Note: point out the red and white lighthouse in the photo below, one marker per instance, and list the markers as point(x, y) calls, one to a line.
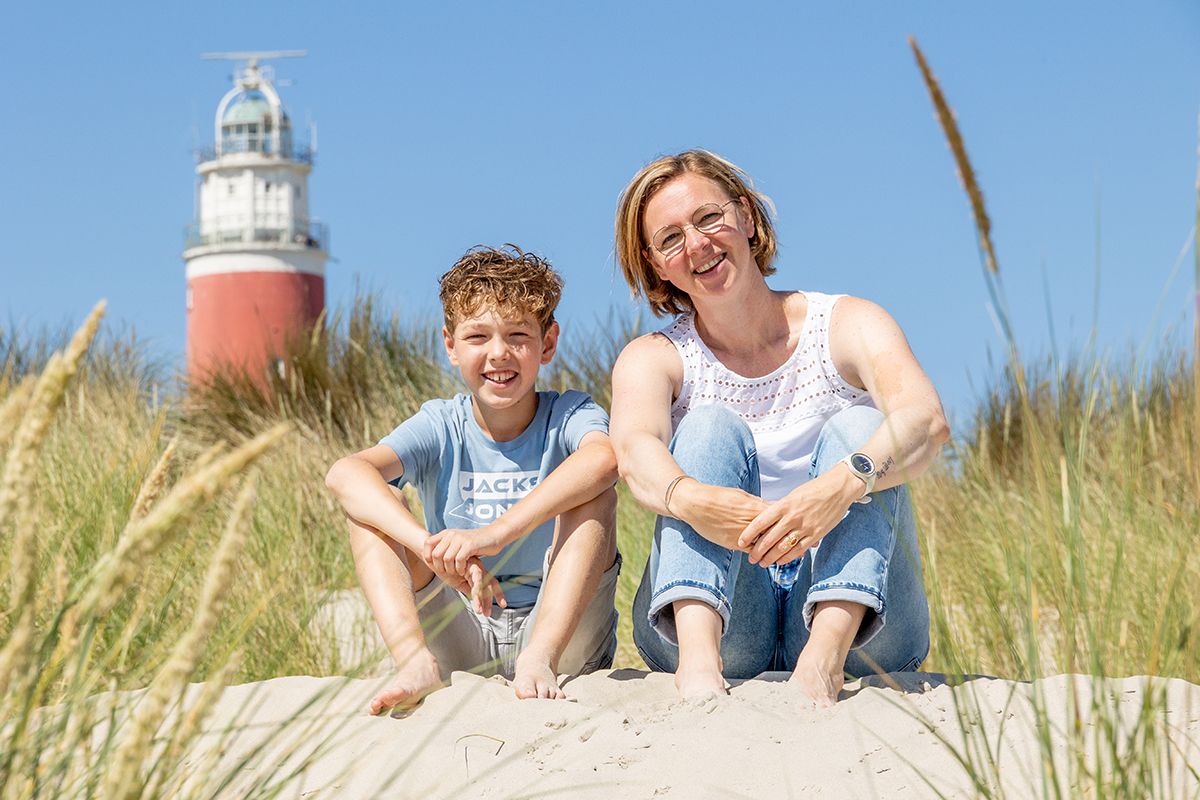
point(255, 257)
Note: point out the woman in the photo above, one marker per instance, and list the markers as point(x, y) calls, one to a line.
point(772, 432)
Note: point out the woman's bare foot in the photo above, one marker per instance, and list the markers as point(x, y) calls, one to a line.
point(819, 669)
point(534, 677)
point(416, 678)
point(819, 679)
point(700, 681)
point(699, 627)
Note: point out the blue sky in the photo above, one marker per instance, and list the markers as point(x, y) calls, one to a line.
point(446, 125)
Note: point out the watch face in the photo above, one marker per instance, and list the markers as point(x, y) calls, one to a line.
point(862, 464)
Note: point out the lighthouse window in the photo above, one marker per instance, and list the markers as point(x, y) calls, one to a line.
point(297, 192)
point(232, 188)
point(252, 127)
point(238, 128)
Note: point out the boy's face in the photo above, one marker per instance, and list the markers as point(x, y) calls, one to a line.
point(499, 357)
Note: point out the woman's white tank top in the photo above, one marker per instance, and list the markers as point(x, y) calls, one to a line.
point(785, 409)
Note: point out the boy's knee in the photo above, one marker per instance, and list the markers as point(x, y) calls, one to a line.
point(600, 512)
point(398, 493)
point(604, 506)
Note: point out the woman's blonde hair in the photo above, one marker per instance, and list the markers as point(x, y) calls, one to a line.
point(633, 252)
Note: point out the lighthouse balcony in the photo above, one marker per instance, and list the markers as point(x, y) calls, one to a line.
point(254, 147)
point(300, 234)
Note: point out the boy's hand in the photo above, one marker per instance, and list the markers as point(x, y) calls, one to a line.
point(452, 549)
point(485, 589)
point(443, 553)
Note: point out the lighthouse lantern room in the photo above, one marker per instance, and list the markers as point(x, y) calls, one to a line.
point(255, 257)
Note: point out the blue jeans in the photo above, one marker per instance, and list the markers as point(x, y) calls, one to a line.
point(870, 558)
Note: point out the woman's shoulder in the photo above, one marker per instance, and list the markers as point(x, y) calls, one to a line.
point(648, 355)
point(654, 345)
point(848, 309)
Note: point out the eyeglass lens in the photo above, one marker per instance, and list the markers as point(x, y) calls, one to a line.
point(708, 219)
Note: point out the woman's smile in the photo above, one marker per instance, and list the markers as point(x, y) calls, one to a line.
point(709, 265)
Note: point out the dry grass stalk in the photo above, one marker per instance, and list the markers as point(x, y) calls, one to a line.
point(208, 456)
point(47, 398)
point(153, 485)
point(113, 573)
point(16, 485)
point(967, 175)
point(14, 657)
point(13, 407)
point(188, 728)
point(1196, 322)
point(124, 778)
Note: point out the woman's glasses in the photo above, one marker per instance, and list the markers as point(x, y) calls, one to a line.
point(708, 219)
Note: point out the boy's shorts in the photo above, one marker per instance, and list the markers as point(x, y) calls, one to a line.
point(462, 640)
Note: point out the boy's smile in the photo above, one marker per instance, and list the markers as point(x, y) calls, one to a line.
point(499, 358)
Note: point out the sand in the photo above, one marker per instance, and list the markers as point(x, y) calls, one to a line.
point(624, 734)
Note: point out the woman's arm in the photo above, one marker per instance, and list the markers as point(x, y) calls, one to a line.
point(870, 351)
point(646, 378)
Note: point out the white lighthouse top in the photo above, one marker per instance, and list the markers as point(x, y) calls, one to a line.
point(252, 203)
point(250, 117)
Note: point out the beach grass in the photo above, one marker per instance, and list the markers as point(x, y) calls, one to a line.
point(156, 536)
point(1056, 532)
point(1060, 539)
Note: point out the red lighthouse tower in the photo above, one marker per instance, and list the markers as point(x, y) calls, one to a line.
point(255, 257)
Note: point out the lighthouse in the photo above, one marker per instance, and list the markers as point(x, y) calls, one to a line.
point(255, 255)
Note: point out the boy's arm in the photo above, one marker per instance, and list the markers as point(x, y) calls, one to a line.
point(581, 477)
point(360, 484)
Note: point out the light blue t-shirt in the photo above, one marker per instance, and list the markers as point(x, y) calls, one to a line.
point(466, 480)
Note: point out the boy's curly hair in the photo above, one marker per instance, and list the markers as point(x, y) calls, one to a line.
point(506, 279)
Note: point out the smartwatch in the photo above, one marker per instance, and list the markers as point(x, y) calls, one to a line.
point(864, 469)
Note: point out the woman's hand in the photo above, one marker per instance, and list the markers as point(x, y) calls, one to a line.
point(718, 513)
point(788, 528)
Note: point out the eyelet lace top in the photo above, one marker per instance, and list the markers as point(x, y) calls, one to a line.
point(785, 408)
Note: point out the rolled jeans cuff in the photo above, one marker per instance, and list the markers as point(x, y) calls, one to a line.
point(664, 624)
point(855, 593)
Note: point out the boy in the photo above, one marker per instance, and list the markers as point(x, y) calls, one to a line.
point(517, 486)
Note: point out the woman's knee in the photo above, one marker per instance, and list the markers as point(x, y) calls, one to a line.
point(843, 433)
point(711, 433)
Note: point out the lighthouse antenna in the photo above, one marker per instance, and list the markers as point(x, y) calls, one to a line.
point(253, 55)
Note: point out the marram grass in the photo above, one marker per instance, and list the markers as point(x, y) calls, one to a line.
point(1058, 535)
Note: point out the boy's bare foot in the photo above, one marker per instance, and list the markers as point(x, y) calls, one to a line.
point(819, 678)
point(416, 678)
point(534, 677)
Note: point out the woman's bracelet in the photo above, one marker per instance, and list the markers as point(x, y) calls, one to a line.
point(671, 490)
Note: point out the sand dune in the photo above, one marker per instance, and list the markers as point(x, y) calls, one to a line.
point(624, 734)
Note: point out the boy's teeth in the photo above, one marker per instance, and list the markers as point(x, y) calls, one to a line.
point(499, 377)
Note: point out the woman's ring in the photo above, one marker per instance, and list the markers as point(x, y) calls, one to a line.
point(791, 540)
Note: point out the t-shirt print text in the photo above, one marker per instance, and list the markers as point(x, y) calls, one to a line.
point(487, 495)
